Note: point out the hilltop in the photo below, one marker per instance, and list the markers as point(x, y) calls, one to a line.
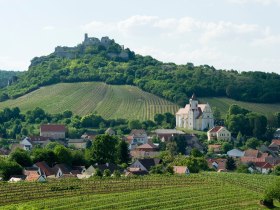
point(110, 101)
point(106, 61)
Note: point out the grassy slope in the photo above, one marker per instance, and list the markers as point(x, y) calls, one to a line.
point(82, 98)
point(197, 191)
point(224, 103)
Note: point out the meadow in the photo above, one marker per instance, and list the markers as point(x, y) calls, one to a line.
point(196, 191)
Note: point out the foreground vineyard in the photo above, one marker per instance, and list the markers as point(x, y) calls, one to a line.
point(198, 191)
point(110, 101)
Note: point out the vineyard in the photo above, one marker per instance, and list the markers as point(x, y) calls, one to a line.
point(110, 101)
point(196, 191)
point(224, 103)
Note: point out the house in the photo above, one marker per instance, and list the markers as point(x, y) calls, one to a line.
point(110, 132)
point(276, 135)
point(136, 138)
point(17, 178)
point(136, 172)
point(148, 150)
point(89, 135)
point(219, 164)
point(86, 173)
point(110, 166)
point(44, 169)
point(218, 133)
point(39, 140)
point(27, 145)
point(145, 164)
point(53, 131)
point(77, 143)
point(167, 134)
point(34, 176)
point(235, 153)
point(263, 167)
point(275, 145)
point(61, 170)
point(216, 148)
point(253, 156)
point(181, 170)
point(195, 116)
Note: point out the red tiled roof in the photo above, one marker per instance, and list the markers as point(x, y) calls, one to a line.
point(214, 146)
point(215, 129)
point(276, 142)
point(251, 153)
point(147, 146)
point(137, 132)
point(32, 176)
point(251, 159)
point(180, 169)
point(53, 128)
point(263, 165)
point(45, 168)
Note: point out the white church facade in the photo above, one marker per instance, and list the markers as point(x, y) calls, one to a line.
point(195, 116)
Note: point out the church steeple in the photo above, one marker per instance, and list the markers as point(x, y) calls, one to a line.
point(193, 97)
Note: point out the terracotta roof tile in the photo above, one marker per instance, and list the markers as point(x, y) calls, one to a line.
point(53, 128)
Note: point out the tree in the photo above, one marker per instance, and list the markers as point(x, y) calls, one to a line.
point(21, 156)
point(134, 124)
point(271, 193)
point(123, 155)
point(196, 153)
point(106, 173)
point(159, 118)
point(230, 164)
point(43, 154)
point(97, 173)
point(63, 155)
point(103, 149)
point(8, 168)
point(226, 147)
point(276, 170)
point(252, 143)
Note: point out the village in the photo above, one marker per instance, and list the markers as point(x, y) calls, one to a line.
point(145, 150)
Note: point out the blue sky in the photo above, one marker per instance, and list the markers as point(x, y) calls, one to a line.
point(231, 34)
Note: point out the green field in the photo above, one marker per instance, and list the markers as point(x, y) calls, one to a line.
point(196, 191)
point(224, 103)
point(110, 101)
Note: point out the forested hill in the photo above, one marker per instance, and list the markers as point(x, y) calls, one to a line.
point(104, 60)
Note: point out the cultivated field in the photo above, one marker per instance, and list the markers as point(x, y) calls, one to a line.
point(197, 191)
point(224, 103)
point(110, 101)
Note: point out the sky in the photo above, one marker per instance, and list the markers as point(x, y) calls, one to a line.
point(243, 35)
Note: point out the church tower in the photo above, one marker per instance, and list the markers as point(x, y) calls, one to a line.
point(192, 112)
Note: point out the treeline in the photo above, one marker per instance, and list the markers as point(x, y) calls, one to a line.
point(168, 80)
point(15, 125)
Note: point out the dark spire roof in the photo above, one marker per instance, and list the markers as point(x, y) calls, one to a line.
point(193, 97)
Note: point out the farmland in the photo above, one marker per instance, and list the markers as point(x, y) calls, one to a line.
point(110, 101)
point(224, 103)
point(197, 191)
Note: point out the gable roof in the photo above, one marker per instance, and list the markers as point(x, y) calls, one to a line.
point(235, 153)
point(275, 142)
point(32, 176)
point(215, 129)
point(168, 131)
point(180, 169)
point(147, 146)
point(263, 165)
point(137, 132)
point(63, 167)
point(52, 128)
point(44, 167)
point(251, 153)
point(149, 162)
point(111, 166)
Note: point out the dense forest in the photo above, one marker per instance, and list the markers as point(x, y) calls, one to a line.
point(115, 65)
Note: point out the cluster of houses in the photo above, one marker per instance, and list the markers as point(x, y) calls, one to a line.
point(261, 160)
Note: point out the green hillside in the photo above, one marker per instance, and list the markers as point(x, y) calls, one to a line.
point(110, 101)
point(197, 191)
point(224, 103)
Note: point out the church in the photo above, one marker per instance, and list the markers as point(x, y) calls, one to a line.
point(195, 116)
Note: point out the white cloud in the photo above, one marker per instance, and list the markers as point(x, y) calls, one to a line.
point(267, 41)
point(263, 2)
point(9, 63)
point(48, 28)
